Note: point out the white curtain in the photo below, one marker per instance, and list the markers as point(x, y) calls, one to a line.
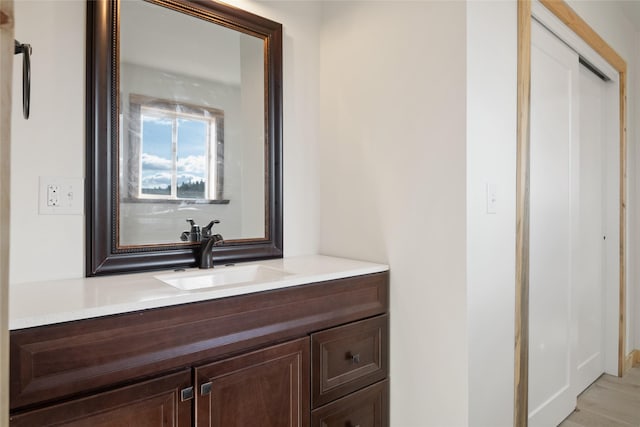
point(6, 67)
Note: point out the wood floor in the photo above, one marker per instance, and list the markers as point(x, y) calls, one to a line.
point(609, 402)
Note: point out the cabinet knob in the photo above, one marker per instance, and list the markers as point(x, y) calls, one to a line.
point(186, 394)
point(355, 358)
point(205, 389)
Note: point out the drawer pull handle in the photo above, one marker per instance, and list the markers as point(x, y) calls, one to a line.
point(186, 394)
point(205, 389)
point(350, 424)
point(355, 359)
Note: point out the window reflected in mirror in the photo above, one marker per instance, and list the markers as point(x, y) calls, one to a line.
point(175, 151)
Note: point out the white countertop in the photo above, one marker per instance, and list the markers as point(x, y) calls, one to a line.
point(49, 302)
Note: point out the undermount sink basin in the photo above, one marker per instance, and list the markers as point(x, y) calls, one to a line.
point(222, 277)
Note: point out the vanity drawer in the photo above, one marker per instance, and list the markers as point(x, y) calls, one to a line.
point(347, 358)
point(364, 408)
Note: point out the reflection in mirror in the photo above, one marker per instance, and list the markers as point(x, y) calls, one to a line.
point(192, 127)
point(184, 120)
point(173, 152)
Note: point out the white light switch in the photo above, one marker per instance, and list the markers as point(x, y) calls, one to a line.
point(492, 198)
point(61, 196)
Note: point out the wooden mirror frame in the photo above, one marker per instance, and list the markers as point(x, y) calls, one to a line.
point(102, 253)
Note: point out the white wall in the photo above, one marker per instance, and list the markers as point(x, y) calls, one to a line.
point(392, 161)
point(52, 141)
point(491, 156)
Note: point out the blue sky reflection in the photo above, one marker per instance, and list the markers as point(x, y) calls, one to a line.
point(157, 152)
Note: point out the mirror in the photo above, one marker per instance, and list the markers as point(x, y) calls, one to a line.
point(184, 122)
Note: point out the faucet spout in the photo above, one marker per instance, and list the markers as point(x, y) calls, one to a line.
point(206, 239)
point(206, 250)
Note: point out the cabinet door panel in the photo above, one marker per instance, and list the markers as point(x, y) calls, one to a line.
point(267, 388)
point(154, 403)
point(364, 408)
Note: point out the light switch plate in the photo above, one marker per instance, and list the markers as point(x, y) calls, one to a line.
point(61, 196)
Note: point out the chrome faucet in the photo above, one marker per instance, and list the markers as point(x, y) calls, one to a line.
point(206, 239)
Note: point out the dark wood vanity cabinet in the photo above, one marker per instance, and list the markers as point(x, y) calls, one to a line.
point(314, 354)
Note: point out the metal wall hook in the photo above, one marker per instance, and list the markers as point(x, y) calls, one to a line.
point(26, 75)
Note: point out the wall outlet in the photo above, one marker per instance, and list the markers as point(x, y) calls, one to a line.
point(61, 196)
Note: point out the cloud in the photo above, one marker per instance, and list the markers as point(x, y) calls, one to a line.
point(151, 162)
point(156, 180)
point(157, 171)
point(192, 164)
point(164, 121)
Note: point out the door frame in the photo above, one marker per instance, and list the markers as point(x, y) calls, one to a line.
point(575, 23)
point(6, 71)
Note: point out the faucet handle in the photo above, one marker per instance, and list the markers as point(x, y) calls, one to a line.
point(206, 231)
point(217, 239)
point(193, 235)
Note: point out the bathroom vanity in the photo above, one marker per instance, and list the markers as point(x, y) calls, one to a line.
point(309, 347)
point(281, 342)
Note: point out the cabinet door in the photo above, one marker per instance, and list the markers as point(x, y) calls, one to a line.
point(266, 388)
point(364, 408)
point(153, 403)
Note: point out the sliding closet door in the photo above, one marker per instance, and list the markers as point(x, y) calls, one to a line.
point(554, 198)
point(589, 286)
point(571, 174)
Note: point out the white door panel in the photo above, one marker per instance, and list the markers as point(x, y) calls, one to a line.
point(554, 104)
point(569, 184)
point(589, 285)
